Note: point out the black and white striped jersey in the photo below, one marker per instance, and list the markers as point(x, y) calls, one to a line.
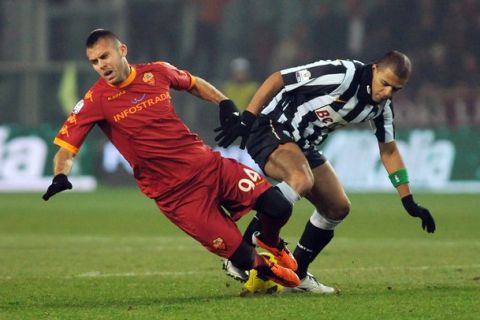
point(319, 97)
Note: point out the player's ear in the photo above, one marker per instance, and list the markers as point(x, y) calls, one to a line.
point(123, 50)
point(375, 70)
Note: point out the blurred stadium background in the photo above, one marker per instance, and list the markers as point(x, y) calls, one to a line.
point(235, 44)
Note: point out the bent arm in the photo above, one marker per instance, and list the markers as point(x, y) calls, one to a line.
point(206, 91)
point(269, 88)
point(62, 162)
point(392, 161)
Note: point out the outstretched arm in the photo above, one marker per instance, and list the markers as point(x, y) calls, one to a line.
point(62, 165)
point(206, 91)
point(269, 89)
point(234, 125)
point(393, 163)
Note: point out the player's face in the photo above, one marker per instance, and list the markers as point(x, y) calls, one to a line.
point(108, 59)
point(385, 83)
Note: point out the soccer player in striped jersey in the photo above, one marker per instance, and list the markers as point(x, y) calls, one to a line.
point(190, 183)
point(290, 116)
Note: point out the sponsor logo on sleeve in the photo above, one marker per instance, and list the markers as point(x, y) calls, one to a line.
point(303, 75)
point(78, 107)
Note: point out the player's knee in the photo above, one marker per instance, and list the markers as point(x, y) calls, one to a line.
point(301, 181)
point(244, 257)
point(274, 204)
point(338, 212)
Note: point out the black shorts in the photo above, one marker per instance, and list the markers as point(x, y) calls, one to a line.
point(267, 135)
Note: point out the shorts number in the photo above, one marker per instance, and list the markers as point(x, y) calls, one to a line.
point(249, 184)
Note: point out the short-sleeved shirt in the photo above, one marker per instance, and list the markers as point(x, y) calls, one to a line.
point(322, 96)
point(138, 117)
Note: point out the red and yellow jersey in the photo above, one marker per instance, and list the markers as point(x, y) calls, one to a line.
point(138, 117)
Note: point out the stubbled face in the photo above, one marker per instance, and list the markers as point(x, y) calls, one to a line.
point(385, 83)
point(108, 59)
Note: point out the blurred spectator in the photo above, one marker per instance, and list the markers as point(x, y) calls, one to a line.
point(157, 30)
point(379, 34)
point(293, 49)
point(328, 32)
point(263, 45)
point(205, 54)
point(356, 27)
point(239, 87)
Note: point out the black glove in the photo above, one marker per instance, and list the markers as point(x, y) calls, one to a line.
point(229, 113)
point(415, 210)
point(233, 125)
point(59, 183)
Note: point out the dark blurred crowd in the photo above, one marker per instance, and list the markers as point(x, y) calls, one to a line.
point(440, 36)
point(237, 43)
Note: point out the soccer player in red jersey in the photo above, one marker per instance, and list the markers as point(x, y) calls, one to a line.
point(190, 183)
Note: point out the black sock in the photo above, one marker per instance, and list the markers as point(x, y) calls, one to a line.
point(251, 228)
point(270, 229)
point(312, 241)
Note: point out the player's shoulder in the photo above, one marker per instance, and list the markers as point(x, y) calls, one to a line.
point(159, 69)
point(91, 97)
point(351, 63)
point(155, 65)
point(97, 90)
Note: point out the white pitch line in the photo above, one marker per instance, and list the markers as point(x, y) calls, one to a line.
point(421, 268)
point(98, 274)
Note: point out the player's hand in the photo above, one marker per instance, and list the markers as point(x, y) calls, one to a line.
point(240, 128)
point(229, 113)
point(415, 210)
point(233, 125)
point(59, 183)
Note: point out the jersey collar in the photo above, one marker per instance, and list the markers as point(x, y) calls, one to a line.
point(365, 90)
point(126, 82)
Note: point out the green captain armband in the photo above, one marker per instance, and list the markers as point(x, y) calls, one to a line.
point(399, 177)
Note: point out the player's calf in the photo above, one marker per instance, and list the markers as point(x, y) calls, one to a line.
point(274, 210)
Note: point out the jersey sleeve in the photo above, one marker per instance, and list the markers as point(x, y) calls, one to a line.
point(78, 124)
point(179, 79)
point(320, 77)
point(383, 124)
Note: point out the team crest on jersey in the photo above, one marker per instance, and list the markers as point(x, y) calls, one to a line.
point(78, 107)
point(149, 78)
point(219, 244)
point(303, 75)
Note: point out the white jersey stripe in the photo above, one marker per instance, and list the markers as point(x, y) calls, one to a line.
point(322, 96)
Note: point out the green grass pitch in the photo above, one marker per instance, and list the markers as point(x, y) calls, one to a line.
point(112, 255)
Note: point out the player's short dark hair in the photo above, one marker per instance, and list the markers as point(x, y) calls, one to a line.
point(398, 62)
point(98, 34)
